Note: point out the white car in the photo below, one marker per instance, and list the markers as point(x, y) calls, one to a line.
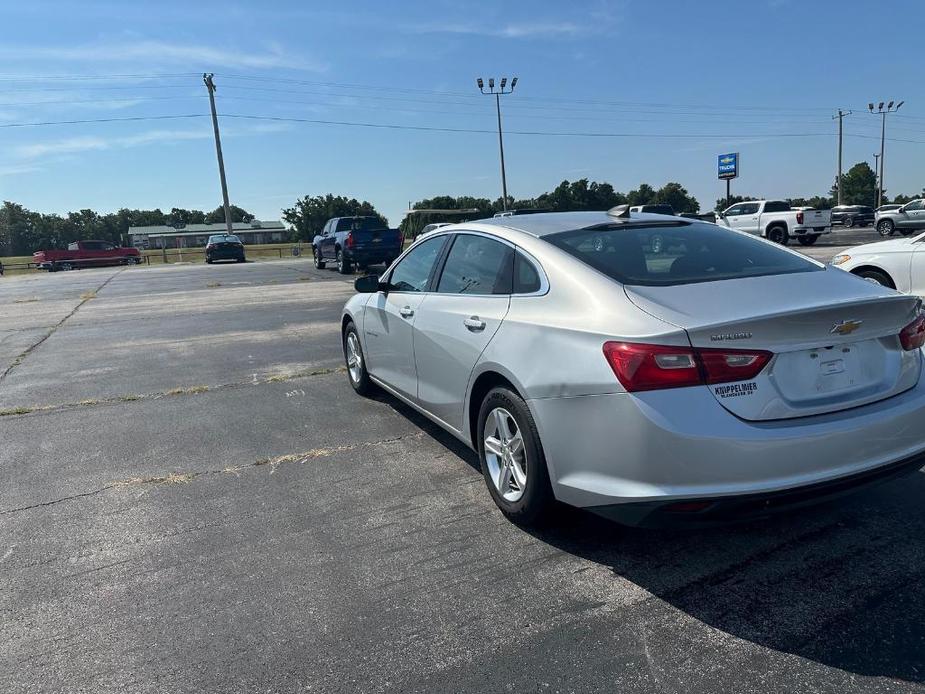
point(897, 263)
point(776, 221)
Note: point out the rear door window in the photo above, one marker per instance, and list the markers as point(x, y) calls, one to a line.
point(677, 254)
point(477, 265)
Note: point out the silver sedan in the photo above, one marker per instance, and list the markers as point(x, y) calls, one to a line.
point(648, 368)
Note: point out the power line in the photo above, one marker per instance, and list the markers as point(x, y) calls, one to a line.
point(124, 119)
point(426, 128)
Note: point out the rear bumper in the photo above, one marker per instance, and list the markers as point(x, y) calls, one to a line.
point(660, 447)
point(372, 256)
point(707, 511)
point(802, 231)
point(225, 255)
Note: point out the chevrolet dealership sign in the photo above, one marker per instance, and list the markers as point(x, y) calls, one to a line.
point(728, 165)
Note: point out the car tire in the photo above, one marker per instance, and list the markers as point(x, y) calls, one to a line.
point(808, 239)
point(242, 259)
point(520, 469)
point(316, 254)
point(778, 234)
point(66, 267)
point(885, 227)
point(356, 361)
point(849, 222)
point(343, 263)
point(877, 276)
point(208, 261)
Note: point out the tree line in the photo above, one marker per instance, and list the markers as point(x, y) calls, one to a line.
point(23, 231)
point(308, 215)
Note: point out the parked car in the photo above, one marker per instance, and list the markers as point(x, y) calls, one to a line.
point(81, 254)
point(905, 219)
point(853, 216)
point(224, 247)
point(659, 208)
point(897, 263)
point(356, 241)
point(776, 221)
point(724, 377)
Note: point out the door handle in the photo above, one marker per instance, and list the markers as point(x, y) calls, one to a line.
point(474, 324)
point(406, 312)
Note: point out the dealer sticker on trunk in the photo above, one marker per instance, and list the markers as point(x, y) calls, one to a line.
point(734, 390)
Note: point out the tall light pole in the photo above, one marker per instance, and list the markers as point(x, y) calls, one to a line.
point(838, 186)
point(210, 85)
point(877, 173)
point(890, 108)
point(501, 91)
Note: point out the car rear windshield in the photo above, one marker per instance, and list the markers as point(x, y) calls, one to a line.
point(359, 224)
point(225, 238)
point(671, 254)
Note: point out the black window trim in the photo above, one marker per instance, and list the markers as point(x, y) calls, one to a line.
point(538, 268)
point(438, 263)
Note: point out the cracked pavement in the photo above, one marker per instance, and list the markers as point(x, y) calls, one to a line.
point(194, 500)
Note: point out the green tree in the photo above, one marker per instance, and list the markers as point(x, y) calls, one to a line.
point(309, 214)
point(217, 216)
point(643, 195)
point(859, 186)
point(817, 202)
point(676, 195)
point(412, 224)
point(903, 199)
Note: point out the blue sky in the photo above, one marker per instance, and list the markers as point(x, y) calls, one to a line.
point(678, 81)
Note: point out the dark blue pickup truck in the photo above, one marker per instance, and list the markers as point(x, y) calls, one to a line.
point(356, 241)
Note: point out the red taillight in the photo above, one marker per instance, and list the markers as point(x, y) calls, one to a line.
point(349, 242)
point(799, 217)
point(913, 335)
point(729, 365)
point(653, 367)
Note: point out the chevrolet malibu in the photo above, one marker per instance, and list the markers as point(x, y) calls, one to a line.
point(721, 377)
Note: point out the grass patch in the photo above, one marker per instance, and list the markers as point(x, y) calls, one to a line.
point(192, 390)
point(170, 478)
point(213, 285)
point(129, 398)
point(86, 296)
point(25, 301)
point(89, 401)
point(16, 410)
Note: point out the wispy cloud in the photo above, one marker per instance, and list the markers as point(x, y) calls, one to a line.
point(154, 52)
point(17, 170)
point(77, 145)
point(510, 31)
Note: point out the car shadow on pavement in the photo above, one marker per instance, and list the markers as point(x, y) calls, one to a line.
point(839, 584)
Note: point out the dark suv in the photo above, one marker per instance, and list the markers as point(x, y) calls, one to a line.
point(853, 216)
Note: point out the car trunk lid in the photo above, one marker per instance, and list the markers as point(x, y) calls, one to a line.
point(835, 338)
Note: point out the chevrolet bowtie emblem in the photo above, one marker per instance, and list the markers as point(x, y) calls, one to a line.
point(845, 327)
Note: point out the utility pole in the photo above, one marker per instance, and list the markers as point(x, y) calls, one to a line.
point(498, 94)
point(210, 85)
point(890, 108)
point(838, 186)
point(877, 174)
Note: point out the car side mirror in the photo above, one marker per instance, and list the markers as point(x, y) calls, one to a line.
point(368, 284)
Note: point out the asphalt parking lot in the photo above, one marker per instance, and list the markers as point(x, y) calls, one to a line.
point(196, 501)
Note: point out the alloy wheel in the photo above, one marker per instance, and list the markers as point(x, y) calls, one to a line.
point(354, 357)
point(505, 454)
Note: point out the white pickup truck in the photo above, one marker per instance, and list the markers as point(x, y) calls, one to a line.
point(776, 221)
